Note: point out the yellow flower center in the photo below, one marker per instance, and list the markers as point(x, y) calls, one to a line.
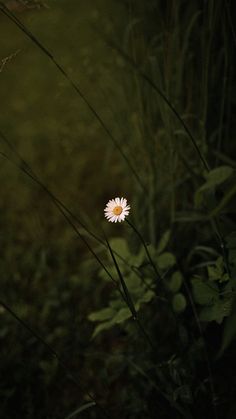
point(117, 210)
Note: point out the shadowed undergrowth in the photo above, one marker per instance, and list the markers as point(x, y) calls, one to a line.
point(139, 320)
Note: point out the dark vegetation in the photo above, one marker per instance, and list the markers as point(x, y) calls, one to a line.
point(98, 100)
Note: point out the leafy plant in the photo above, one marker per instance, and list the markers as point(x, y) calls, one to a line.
point(213, 293)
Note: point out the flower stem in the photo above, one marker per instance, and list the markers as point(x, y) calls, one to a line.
point(146, 249)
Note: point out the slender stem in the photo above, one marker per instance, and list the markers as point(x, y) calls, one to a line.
point(146, 249)
point(62, 208)
point(27, 169)
point(128, 299)
point(187, 130)
point(62, 211)
point(144, 333)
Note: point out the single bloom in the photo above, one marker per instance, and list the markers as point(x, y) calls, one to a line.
point(116, 210)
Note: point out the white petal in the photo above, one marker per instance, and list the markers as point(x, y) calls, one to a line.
point(112, 203)
point(111, 206)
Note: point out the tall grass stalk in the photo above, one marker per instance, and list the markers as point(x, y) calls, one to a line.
point(154, 86)
point(74, 85)
point(169, 106)
point(22, 27)
point(64, 215)
point(124, 294)
point(27, 170)
point(129, 301)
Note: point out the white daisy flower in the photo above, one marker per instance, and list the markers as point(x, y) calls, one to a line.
point(116, 210)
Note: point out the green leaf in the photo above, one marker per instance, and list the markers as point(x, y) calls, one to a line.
point(217, 176)
point(166, 260)
point(179, 303)
point(101, 327)
point(216, 272)
point(117, 304)
point(163, 242)
point(216, 312)
point(122, 315)
point(134, 283)
point(148, 296)
point(101, 315)
point(204, 293)
point(214, 178)
point(174, 284)
point(81, 409)
point(138, 258)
